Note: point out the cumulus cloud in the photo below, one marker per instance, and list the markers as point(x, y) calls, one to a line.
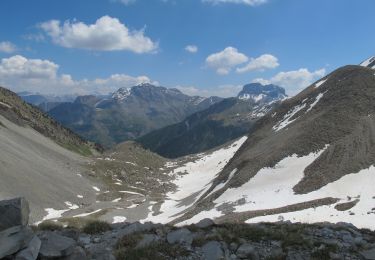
point(19, 66)
point(7, 47)
point(106, 34)
point(21, 74)
point(263, 62)
point(191, 48)
point(246, 2)
point(220, 91)
point(224, 61)
point(294, 81)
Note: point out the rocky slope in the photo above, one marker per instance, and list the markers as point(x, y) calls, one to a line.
point(204, 240)
point(128, 113)
point(310, 160)
point(41, 160)
point(216, 125)
point(14, 109)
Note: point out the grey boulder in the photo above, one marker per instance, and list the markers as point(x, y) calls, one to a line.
point(14, 212)
point(247, 251)
point(180, 236)
point(213, 251)
point(14, 239)
point(205, 223)
point(54, 245)
point(31, 251)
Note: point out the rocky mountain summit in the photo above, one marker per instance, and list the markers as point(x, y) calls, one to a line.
point(259, 93)
point(204, 240)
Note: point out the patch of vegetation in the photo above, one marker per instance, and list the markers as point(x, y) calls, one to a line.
point(323, 253)
point(80, 149)
point(155, 251)
point(96, 227)
point(129, 241)
point(49, 226)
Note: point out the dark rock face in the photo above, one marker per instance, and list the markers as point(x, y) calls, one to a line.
point(14, 212)
point(262, 93)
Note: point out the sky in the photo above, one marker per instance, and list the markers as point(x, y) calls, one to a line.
point(202, 47)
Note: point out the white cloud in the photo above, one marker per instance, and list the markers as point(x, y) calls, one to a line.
point(106, 34)
point(246, 2)
point(21, 74)
point(220, 91)
point(19, 66)
point(294, 81)
point(224, 61)
point(7, 47)
point(191, 48)
point(263, 62)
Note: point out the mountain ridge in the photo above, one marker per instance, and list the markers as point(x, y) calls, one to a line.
point(216, 125)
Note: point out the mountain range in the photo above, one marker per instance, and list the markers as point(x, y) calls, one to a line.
point(308, 159)
point(128, 113)
point(222, 122)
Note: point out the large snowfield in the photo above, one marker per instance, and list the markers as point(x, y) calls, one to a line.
point(272, 188)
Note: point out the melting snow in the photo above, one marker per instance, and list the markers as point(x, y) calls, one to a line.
point(131, 163)
point(315, 102)
point(272, 188)
point(288, 117)
point(192, 180)
point(361, 215)
point(95, 188)
point(80, 196)
point(318, 84)
point(57, 213)
point(118, 219)
point(86, 214)
point(131, 192)
point(256, 98)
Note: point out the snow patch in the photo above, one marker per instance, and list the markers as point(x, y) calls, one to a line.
point(86, 214)
point(118, 219)
point(288, 117)
point(192, 180)
point(95, 188)
point(318, 84)
point(131, 192)
point(315, 102)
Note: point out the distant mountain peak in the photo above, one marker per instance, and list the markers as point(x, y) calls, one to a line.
point(261, 93)
point(122, 93)
point(369, 63)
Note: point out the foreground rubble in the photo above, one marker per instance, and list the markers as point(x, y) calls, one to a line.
point(204, 240)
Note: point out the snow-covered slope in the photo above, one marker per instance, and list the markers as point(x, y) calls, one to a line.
point(192, 181)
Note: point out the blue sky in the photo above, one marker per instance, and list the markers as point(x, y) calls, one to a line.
point(77, 46)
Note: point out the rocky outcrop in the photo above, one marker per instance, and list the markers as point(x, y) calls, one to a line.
point(205, 240)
